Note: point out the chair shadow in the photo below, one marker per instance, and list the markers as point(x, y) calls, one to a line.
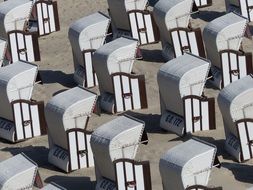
point(152, 56)
point(49, 77)
point(69, 182)
point(208, 15)
point(152, 2)
point(241, 172)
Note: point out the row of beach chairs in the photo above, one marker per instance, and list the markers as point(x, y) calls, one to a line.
point(107, 61)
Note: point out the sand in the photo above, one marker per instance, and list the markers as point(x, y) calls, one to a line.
point(56, 68)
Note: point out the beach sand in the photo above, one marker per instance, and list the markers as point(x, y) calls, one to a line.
point(56, 69)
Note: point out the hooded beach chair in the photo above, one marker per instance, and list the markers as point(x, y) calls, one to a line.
point(120, 88)
point(86, 35)
point(223, 37)
point(19, 172)
point(172, 18)
point(44, 17)
point(188, 165)
point(14, 16)
point(203, 3)
point(114, 145)
point(132, 18)
point(235, 102)
point(20, 116)
point(242, 7)
point(67, 116)
point(184, 107)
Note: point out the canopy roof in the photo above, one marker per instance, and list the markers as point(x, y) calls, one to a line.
point(116, 139)
point(13, 15)
point(16, 82)
point(225, 32)
point(236, 102)
point(113, 57)
point(171, 14)
point(187, 164)
point(67, 110)
point(17, 172)
point(182, 76)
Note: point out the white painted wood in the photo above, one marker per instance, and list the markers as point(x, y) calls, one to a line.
point(118, 93)
point(90, 153)
point(139, 177)
point(134, 28)
point(244, 141)
point(233, 62)
point(40, 19)
point(193, 43)
point(120, 175)
point(196, 111)
point(73, 151)
point(81, 147)
point(242, 66)
point(184, 40)
point(136, 94)
point(35, 120)
point(45, 14)
point(52, 19)
point(188, 116)
point(143, 39)
point(18, 122)
point(176, 43)
point(129, 174)
point(126, 89)
point(26, 117)
point(29, 47)
point(89, 69)
point(205, 115)
point(149, 26)
point(225, 69)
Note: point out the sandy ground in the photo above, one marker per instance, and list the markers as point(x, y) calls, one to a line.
point(57, 73)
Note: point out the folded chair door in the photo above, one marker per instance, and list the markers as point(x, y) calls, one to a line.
point(246, 7)
point(80, 153)
point(129, 91)
point(24, 46)
point(203, 3)
point(143, 26)
point(132, 175)
point(234, 65)
point(199, 113)
point(47, 15)
point(187, 40)
point(29, 119)
point(245, 133)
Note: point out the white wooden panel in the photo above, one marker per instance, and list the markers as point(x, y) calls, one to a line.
point(149, 26)
point(143, 39)
point(81, 147)
point(225, 69)
point(244, 141)
point(26, 117)
point(193, 43)
point(73, 151)
point(176, 43)
point(139, 177)
point(14, 51)
point(136, 94)
point(90, 153)
point(126, 89)
point(129, 173)
point(35, 120)
point(29, 47)
point(196, 114)
point(233, 61)
point(51, 17)
point(21, 45)
point(120, 175)
point(40, 19)
point(45, 14)
point(118, 93)
point(89, 69)
point(133, 24)
point(18, 122)
point(188, 116)
point(242, 66)
point(205, 115)
point(183, 37)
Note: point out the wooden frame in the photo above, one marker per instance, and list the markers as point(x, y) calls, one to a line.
point(23, 46)
point(143, 26)
point(199, 113)
point(234, 65)
point(80, 153)
point(29, 119)
point(187, 40)
point(132, 178)
point(46, 13)
point(245, 134)
point(129, 91)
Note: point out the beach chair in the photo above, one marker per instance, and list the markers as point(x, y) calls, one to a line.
point(188, 166)
point(21, 117)
point(67, 116)
point(242, 7)
point(173, 20)
point(86, 35)
point(53, 186)
point(120, 88)
point(223, 37)
point(44, 18)
point(19, 172)
point(184, 107)
point(235, 103)
point(23, 45)
point(132, 18)
point(203, 3)
point(114, 145)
